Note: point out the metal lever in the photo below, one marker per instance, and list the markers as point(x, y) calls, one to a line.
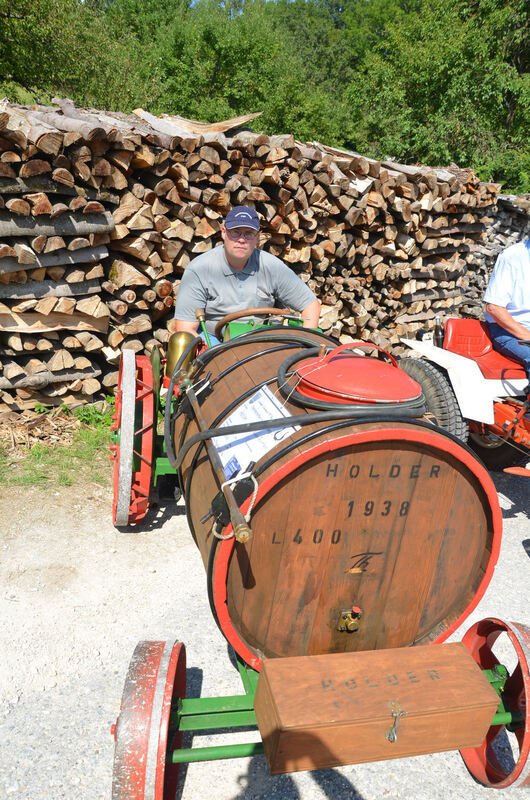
point(397, 713)
point(242, 531)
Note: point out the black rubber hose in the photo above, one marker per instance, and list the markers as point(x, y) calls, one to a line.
point(257, 336)
point(344, 424)
point(204, 358)
point(224, 412)
point(243, 397)
point(251, 357)
point(360, 413)
point(408, 408)
point(209, 581)
point(324, 336)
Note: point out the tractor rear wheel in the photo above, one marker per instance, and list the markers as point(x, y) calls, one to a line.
point(495, 452)
point(442, 405)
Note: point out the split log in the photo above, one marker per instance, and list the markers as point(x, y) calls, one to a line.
point(45, 288)
point(66, 224)
point(11, 321)
point(46, 377)
point(85, 256)
point(44, 184)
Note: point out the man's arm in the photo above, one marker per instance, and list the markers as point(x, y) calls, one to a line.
point(311, 314)
point(503, 318)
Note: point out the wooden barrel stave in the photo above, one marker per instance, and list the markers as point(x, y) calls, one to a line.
point(329, 535)
point(412, 591)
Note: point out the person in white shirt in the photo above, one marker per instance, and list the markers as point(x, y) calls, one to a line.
point(507, 299)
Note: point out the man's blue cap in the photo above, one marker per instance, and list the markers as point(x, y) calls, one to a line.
point(242, 217)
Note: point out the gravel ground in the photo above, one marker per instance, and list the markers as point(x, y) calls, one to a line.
point(77, 596)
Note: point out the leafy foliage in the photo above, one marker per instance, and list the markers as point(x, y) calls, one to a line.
point(420, 80)
point(444, 85)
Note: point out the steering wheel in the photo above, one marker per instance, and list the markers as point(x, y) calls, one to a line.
point(249, 312)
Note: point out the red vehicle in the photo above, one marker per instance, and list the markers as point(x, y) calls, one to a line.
point(475, 392)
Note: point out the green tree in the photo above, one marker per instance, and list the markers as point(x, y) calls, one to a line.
point(66, 47)
point(218, 61)
point(445, 84)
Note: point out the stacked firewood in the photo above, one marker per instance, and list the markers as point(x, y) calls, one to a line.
point(100, 213)
point(510, 224)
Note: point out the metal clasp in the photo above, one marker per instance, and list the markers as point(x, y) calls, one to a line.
point(397, 712)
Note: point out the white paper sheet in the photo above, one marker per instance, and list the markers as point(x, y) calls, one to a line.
point(237, 451)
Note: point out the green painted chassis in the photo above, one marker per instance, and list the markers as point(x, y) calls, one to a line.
point(236, 712)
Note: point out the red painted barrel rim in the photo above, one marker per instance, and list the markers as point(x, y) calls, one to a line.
point(436, 440)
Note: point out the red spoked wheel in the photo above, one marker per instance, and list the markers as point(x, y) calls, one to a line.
point(132, 451)
point(492, 764)
point(156, 679)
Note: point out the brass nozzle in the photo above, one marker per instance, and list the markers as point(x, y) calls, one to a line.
point(242, 533)
point(175, 348)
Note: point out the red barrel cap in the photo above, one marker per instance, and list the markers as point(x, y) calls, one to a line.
point(345, 376)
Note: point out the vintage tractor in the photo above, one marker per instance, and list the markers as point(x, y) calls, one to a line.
point(341, 532)
point(474, 392)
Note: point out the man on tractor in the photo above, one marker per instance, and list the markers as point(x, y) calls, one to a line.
point(507, 301)
point(237, 275)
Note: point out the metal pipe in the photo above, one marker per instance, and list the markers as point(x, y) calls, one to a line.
point(216, 752)
point(199, 313)
point(218, 721)
point(507, 718)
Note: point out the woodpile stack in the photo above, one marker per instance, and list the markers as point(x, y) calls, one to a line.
point(100, 213)
point(510, 224)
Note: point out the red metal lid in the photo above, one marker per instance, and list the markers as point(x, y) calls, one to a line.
point(343, 376)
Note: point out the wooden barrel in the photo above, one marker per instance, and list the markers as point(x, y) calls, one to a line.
point(371, 527)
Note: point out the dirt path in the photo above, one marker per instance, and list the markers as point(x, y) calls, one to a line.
point(76, 597)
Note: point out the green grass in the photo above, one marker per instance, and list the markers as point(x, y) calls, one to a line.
point(86, 458)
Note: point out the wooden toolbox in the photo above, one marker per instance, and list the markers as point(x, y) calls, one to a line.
point(346, 708)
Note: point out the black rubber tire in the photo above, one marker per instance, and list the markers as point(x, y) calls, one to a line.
point(442, 405)
point(496, 452)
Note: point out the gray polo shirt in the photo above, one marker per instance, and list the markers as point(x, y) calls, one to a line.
point(210, 283)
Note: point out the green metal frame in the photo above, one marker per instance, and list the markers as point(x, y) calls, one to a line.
point(232, 712)
point(234, 329)
point(498, 677)
point(209, 714)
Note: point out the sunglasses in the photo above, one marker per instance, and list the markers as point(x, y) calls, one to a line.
point(235, 234)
